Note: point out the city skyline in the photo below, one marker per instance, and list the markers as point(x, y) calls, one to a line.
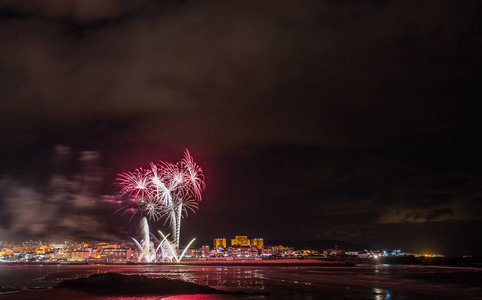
point(44, 251)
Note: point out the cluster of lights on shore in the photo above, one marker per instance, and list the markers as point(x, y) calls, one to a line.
point(165, 191)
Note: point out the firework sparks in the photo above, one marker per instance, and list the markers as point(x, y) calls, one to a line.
point(196, 177)
point(146, 247)
point(135, 183)
point(166, 190)
point(165, 250)
point(154, 209)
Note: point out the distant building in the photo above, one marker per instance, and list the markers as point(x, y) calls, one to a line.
point(257, 242)
point(266, 251)
point(193, 252)
point(219, 242)
point(334, 252)
point(123, 253)
point(240, 240)
point(79, 255)
point(205, 250)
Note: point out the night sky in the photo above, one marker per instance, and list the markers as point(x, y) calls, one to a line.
point(312, 120)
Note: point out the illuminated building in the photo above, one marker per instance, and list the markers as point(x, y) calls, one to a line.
point(7, 251)
point(205, 250)
point(78, 255)
point(220, 242)
point(257, 242)
point(40, 250)
point(193, 253)
point(123, 253)
point(267, 252)
point(243, 241)
point(109, 245)
point(240, 240)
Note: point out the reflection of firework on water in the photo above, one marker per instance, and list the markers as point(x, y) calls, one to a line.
point(166, 190)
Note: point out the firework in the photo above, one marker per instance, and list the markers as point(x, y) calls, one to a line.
point(136, 188)
point(146, 247)
point(165, 250)
point(168, 250)
point(196, 177)
point(154, 209)
point(165, 191)
point(135, 183)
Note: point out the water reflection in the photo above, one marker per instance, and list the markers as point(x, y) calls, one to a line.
point(361, 282)
point(381, 294)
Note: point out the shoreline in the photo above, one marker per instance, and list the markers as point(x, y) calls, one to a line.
point(198, 263)
point(331, 262)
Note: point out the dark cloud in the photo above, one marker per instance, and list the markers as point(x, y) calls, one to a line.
point(209, 69)
point(67, 205)
point(324, 119)
point(81, 11)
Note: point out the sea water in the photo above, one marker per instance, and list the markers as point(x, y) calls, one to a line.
point(281, 282)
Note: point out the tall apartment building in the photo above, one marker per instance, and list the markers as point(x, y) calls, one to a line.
point(240, 240)
point(219, 242)
point(257, 242)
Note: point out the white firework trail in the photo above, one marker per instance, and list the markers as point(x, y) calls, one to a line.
point(146, 248)
point(165, 251)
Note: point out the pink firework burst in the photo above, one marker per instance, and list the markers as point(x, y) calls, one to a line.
point(163, 187)
point(135, 183)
